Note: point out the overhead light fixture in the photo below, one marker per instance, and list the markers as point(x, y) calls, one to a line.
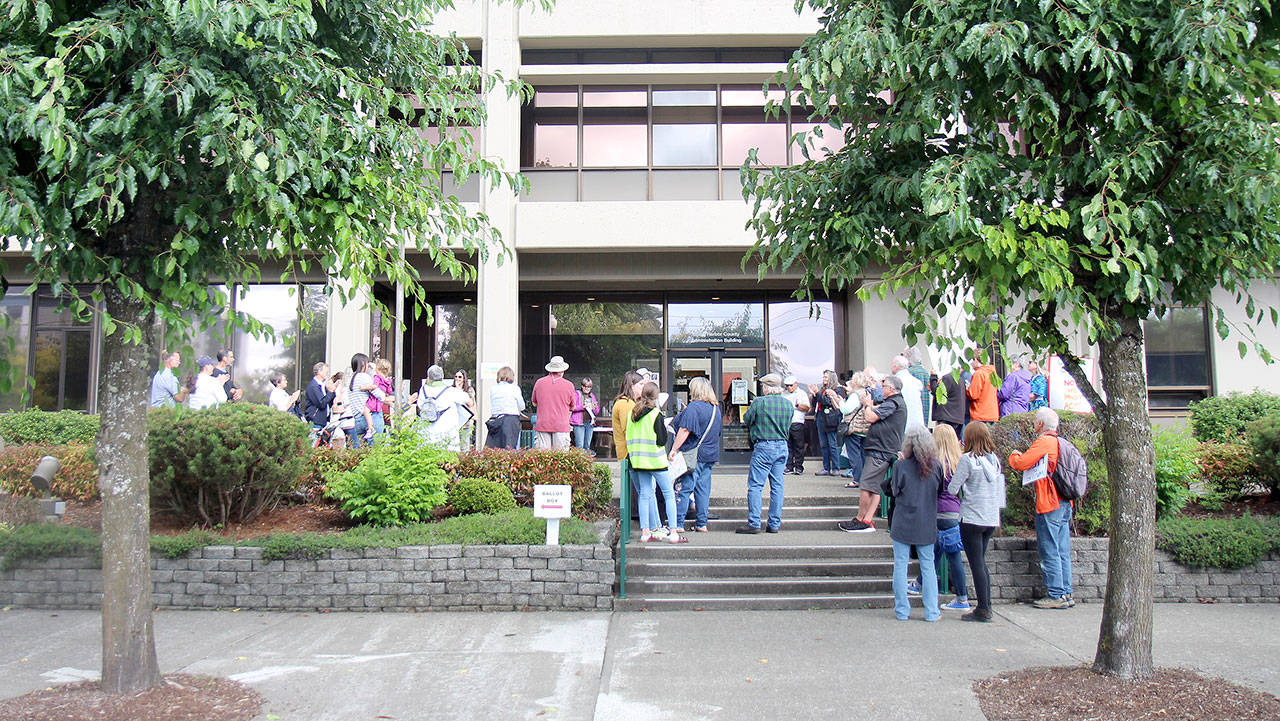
point(535, 306)
point(466, 300)
point(715, 297)
point(590, 298)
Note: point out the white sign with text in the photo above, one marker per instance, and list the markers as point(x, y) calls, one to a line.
point(552, 503)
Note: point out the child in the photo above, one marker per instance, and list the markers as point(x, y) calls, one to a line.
point(379, 411)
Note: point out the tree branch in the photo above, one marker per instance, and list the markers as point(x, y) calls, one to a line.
point(1047, 323)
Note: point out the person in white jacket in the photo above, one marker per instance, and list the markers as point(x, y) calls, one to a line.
point(210, 392)
point(451, 404)
point(979, 476)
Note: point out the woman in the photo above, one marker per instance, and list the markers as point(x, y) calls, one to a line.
point(506, 403)
point(280, 398)
point(851, 408)
point(583, 417)
point(826, 411)
point(646, 450)
point(979, 476)
point(622, 405)
point(948, 518)
point(698, 430)
point(362, 386)
point(1039, 387)
point(468, 433)
point(209, 392)
point(916, 478)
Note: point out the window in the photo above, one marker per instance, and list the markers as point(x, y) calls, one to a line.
point(599, 340)
point(292, 351)
point(802, 340)
point(716, 324)
point(61, 358)
point(16, 307)
point(455, 336)
point(1177, 351)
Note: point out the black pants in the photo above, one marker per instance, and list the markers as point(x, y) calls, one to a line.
point(975, 540)
point(797, 440)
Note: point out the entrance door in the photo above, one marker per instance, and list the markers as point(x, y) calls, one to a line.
point(734, 375)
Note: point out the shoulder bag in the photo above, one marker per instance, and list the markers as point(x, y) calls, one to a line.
point(688, 460)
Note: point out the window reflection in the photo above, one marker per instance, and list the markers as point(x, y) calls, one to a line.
point(455, 329)
point(602, 341)
point(613, 146)
point(16, 342)
point(1176, 348)
point(684, 144)
point(770, 140)
point(800, 343)
point(257, 358)
point(749, 96)
point(615, 98)
point(555, 146)
point(716, 324)
point(820, 139)
point(705, 96)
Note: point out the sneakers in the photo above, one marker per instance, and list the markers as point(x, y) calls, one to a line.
point(823, 473)
point(855, 526)
point(913, 588)
point(661, 533)
point(1053, 602)
point(958, 605)
point(979, 615)
point(676, 538)
point(748, 530)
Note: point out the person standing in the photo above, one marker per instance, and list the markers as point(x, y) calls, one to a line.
point(915, 366)
point(467, 435)
point(1015, 392)
point(916, 479)
point(852, 408)
point(1039, 386)
point(948, 518)
point(226, 358)
point(913, 391)
point(583, 418)
point(697, 429)
point(280, 398)
point(452, 410)
point(1053, 515)
point(209, 391)
point(954, 412)
point(646, 450)
point(356, 411)
point(982, 392)
point(769, 421)
point(621, 411)
point(319, 397)
point(888, 421)
point(796, 436)
point(826, 412)
point(981, 483)
point(166, 391)
point(506, 403)
point(553, 398)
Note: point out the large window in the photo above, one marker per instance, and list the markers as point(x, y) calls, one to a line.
point(455, 337)
point(802, 340)
point(16, 308)
point(599, 340)
point(724, 325)
point(1177, 349)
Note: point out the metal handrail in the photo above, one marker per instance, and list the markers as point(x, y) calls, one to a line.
point(624, 526)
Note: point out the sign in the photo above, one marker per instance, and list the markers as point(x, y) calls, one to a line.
point(489, 371)
point(1064, 392)
point(738, 392)
point(552, 503)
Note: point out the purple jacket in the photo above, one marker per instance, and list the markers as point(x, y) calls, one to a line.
point(948, 504)
point(1015, 393)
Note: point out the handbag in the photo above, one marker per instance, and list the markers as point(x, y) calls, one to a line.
point(950, 540)
point(494, 424)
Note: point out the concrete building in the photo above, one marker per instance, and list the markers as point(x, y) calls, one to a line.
point(626, 250)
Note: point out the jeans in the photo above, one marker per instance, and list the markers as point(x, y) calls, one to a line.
point(582, 436)
point(955, 564)
point(975, 548)
point(645, 481)
point(1053, 541)
point(928, 587)
point(379, 426)
point(830, 449)
point(698, 483)
point(355, 436)
point(853, 449)
point(768, 460)
point(798, 442)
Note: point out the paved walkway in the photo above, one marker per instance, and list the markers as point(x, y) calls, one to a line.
point(630, 666)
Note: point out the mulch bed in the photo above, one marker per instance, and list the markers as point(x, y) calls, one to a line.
point(183, 697)
point(1173, 694)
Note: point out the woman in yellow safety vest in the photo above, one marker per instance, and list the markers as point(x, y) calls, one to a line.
point(647, 452)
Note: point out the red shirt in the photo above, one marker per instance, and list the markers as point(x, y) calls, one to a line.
point(553, 397)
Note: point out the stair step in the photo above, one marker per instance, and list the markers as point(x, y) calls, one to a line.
point(790, 512)
point(690, 551)
point(755, 603)
point(756, 568)
point(759, 587)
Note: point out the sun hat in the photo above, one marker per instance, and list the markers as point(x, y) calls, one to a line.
point(557, 365)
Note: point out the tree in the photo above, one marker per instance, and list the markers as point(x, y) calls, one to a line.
point(1084, 165)
point(151, 148)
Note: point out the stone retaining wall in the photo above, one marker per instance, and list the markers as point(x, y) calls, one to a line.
point(1015, 575)
point(454, 578)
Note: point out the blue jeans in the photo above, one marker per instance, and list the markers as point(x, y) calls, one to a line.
point(379, 426)
point(928, 589)
point(955, 564)
point(698, 483)
point(853, 449)
point(1053, 541)
point(582, 436)
point(355, 436)
point(645, 482)
point(767, 462)
point(830, 449)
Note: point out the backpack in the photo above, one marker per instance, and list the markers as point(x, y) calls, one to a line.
point(429, 407)
point(1071, 476)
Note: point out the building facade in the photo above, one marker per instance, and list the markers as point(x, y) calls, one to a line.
point(626, 249)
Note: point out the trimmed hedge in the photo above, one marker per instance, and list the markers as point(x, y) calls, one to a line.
point(1226, 419)
point(1015, 432)
point(477, 495)
point(521, 469)
point(77, 479)
point(1227, 468)
point(1218, 542)
point(50, 428)
point(1264, 441)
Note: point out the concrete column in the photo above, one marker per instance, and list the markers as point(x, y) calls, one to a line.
point(498, 285)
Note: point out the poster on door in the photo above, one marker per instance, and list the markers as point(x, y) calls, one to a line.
point(1064, 392)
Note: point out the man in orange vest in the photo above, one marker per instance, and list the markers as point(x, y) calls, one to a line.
point(983, 405)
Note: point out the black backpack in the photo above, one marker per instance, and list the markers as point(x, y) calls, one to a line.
point(1071, 476)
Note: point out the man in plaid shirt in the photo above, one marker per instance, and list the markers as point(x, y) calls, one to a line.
point(769, 421)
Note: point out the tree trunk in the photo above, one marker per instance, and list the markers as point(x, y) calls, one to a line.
point(1124, 641)
point(128, 642)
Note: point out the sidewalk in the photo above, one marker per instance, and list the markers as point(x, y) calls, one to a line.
point(625, 666)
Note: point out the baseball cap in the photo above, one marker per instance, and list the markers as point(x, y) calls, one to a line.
point(789, 381)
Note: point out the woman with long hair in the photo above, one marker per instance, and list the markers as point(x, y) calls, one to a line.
point(948, 519)
point(646, 451)
point(916, 478)
point(851, 408)
point(979, 476)
point(698, 437)
point(468, 432)
point(361, 386)
point(622, 405)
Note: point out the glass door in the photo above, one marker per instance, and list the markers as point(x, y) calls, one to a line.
point(734, 375)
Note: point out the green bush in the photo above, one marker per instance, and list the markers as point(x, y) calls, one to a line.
point(402, 480)
point(77, 477)
point(46, 540)
point(476, 495)
point(1176, 468)
point(37, 427)
point(325, 464)
point(1226, 419)
point(1218, 542)
point(224, 464)
point(179, 546)
point(1264, 440)
point(1015, 432)
point(1227, 469)
point(521, 469)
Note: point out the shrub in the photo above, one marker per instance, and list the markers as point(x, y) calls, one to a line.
point(476, 495)
point(325, 464)
point(1176, 468)
point(521, 469)
point(77, 479)
point(47, 540)
point(1016, 432)
point(182, 544)
point(37, 427)
point(224, 464)
point(400, 481)
point(1227, 468)
point(1226, 419)
point(1218, 542)
point(1264, 441)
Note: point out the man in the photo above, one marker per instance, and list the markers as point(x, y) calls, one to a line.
point(319, 397)
point(917, 370)
point(769, 421)
point(982, 392)
point(452, 408)
point(913, 391)
point(955, 411)
point(223, 368)
point(799, 406)
point(166, 392)
point(888, 421)
point(1015, 392)
point(553, 398)
point(1053, 515)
